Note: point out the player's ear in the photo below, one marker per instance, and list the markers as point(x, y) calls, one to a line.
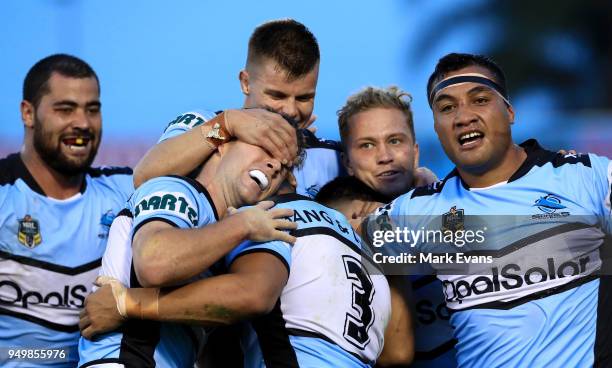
point(416, 155)
point(243, 77)
point(347, 163)
point(510, 114)
point(27, 113)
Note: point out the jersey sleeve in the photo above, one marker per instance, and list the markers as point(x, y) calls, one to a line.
point(277, 248)
point(185, 122)
point(166, 199)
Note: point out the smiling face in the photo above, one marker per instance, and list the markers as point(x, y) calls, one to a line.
point(265, 85)
point(66, 126)
point(473, 123)
point(249, 172)
point(381, 151)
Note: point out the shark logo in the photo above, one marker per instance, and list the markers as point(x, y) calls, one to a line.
point(549, 204)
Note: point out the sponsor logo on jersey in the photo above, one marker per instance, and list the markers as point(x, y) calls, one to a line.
point(510, 277)
point(549, 204)
point(28, 232)
point(453, 220)
point(13, 294)
point(190, 119)
point(105, 223)
point(175, 202)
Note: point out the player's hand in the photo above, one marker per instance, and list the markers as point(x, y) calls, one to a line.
point(266, 129)
point(424, 176)
point(102, 311)
point(265, 223)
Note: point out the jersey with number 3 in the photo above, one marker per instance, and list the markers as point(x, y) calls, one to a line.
point(333, 312)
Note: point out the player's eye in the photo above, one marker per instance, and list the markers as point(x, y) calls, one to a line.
point(366, 145)
point(446, 108)
point(481, 100)
point(395, 141)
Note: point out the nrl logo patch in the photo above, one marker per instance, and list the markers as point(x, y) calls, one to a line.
point(28, 233)
point(453, 220)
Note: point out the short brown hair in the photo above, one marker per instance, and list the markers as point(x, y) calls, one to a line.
point(371, 97)
point(288, 43)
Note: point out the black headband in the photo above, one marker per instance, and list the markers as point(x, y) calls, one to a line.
point(465, 79)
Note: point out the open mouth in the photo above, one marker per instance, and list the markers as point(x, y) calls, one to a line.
point(260, 178)
point(76, 143)
point(388, 174)
point(470, 138)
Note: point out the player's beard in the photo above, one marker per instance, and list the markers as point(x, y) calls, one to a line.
point(49, 149)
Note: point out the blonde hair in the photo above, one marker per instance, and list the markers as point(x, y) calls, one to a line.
point(371, 97)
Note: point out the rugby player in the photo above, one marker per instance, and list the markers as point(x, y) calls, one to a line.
point(327, 312)
point(280, 75)
point(56, 213)
point(542, 302)
point(173, 230)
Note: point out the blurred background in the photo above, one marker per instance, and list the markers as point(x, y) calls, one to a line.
point(156, 59)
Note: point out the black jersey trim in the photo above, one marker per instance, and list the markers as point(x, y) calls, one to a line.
point(140, 337)
point(151, 219)
point(535, 296)
point(435, 352)
point(304, 333)
point(201, 189)
point(273, 338)
point(125, 212)
point(13, 168)
point(96, 172)
point(322, 230)
point(536, 156)
point(311, 141)
point(531, 239)
point(603, 331)
point(423, 281)
point(261, 250)
point(40, 321)
point(102, 361)
point(52, 266)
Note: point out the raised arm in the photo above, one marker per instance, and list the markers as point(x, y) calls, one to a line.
point(181, 154)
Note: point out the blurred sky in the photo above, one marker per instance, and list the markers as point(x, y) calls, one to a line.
point(156, 59)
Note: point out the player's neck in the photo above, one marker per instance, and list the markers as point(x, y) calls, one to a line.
point(214, 187)
point(499, 173)
point(53, 183)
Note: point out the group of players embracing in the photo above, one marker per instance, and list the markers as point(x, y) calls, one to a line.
point(241, 241)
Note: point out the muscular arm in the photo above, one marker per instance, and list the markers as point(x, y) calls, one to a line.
point(181, 154)
point(252, 288)
point(165, 255)
point(178, 155)
point(399, 340)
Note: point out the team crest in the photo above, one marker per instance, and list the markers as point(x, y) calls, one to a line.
point(453, 220)
point(105, 222)
point(28, 233)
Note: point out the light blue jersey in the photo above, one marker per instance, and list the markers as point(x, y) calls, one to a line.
point(183, 203)
point(322, 163)
point(540, 302)
point(50, 253)
point(332, 312)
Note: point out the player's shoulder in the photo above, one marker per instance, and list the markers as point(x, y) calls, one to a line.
point(11, 169)
point(192, 118)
